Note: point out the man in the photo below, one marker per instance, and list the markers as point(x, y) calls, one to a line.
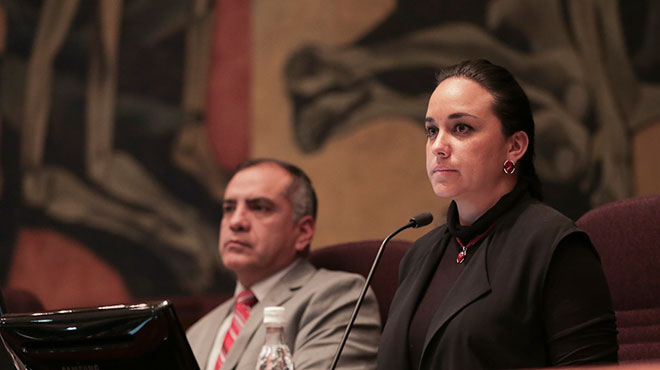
point(268, 221)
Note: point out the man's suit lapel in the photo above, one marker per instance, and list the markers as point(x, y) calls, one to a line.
point(281, 293)
point(221, 313)
point(471, 284)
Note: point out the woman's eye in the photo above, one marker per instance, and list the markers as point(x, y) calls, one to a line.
point(462, 128)
point(431, 131)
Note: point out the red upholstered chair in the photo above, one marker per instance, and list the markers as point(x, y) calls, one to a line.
point(189, 309)
point(20, 300)
point(358, 257)
point(13, 300)
point(626, 234)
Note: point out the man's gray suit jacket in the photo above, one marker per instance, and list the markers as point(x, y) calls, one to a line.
point(318, 306)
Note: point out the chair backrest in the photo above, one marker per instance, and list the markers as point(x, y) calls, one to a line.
point(626, 234)
point(191, 308)
point(13, 300)
point(358, 257)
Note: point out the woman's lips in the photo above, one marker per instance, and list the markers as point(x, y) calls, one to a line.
point(443, 169)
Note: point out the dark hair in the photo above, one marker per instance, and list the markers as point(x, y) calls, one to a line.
point(300, 191)
point(510, 105)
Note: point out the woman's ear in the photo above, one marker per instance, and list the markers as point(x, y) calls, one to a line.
point(518, 143)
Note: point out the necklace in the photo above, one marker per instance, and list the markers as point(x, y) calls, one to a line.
point(463, 253)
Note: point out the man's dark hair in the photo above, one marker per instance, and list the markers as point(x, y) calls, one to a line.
point(300, 191)
point(510, 105)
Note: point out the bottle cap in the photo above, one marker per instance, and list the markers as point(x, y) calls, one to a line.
point(274, 315)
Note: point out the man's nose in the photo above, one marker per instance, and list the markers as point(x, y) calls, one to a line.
point(239, 220)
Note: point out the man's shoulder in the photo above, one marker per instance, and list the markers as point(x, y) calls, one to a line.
point(307, 274)
point(337, 275)
point(323, 283)
point(328, 292)
point(344, 279)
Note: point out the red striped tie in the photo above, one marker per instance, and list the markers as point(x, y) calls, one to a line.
point(244, 302)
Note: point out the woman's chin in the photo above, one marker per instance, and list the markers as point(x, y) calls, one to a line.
point(444, 191)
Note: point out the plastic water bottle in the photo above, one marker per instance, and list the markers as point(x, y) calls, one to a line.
point(275, 354)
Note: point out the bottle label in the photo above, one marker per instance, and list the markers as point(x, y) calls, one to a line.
point(275, 357)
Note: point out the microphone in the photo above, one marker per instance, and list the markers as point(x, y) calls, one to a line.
point(420, 220)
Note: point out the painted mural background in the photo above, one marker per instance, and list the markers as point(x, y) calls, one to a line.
point(122, 120)
point(589, 93)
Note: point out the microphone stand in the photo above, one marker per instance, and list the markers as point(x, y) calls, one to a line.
point(412, 223)
point(3, 308)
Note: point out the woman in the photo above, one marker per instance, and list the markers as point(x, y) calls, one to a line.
point(508, 282)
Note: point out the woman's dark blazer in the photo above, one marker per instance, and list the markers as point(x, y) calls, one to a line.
point(492, 317)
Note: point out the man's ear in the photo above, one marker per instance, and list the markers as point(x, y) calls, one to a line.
point(306, 227)
point(518, 143)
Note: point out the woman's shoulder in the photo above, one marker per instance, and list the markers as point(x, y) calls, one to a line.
point(538, 213)
point(537, 226)
point(431, 237)
point(421, 247)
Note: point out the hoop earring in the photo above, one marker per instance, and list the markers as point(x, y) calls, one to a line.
point(509, 167)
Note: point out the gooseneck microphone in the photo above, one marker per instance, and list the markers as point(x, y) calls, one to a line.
point(420, 220)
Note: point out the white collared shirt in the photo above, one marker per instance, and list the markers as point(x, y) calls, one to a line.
point(260, 290)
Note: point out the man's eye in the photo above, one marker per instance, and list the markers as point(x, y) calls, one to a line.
point(227, 208)
point(258, 207)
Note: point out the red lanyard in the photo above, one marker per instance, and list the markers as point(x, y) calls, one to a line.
point(463, 253)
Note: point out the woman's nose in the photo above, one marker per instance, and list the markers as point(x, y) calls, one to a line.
point(440, 146)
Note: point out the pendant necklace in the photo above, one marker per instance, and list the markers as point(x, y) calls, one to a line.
point(463, 253)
